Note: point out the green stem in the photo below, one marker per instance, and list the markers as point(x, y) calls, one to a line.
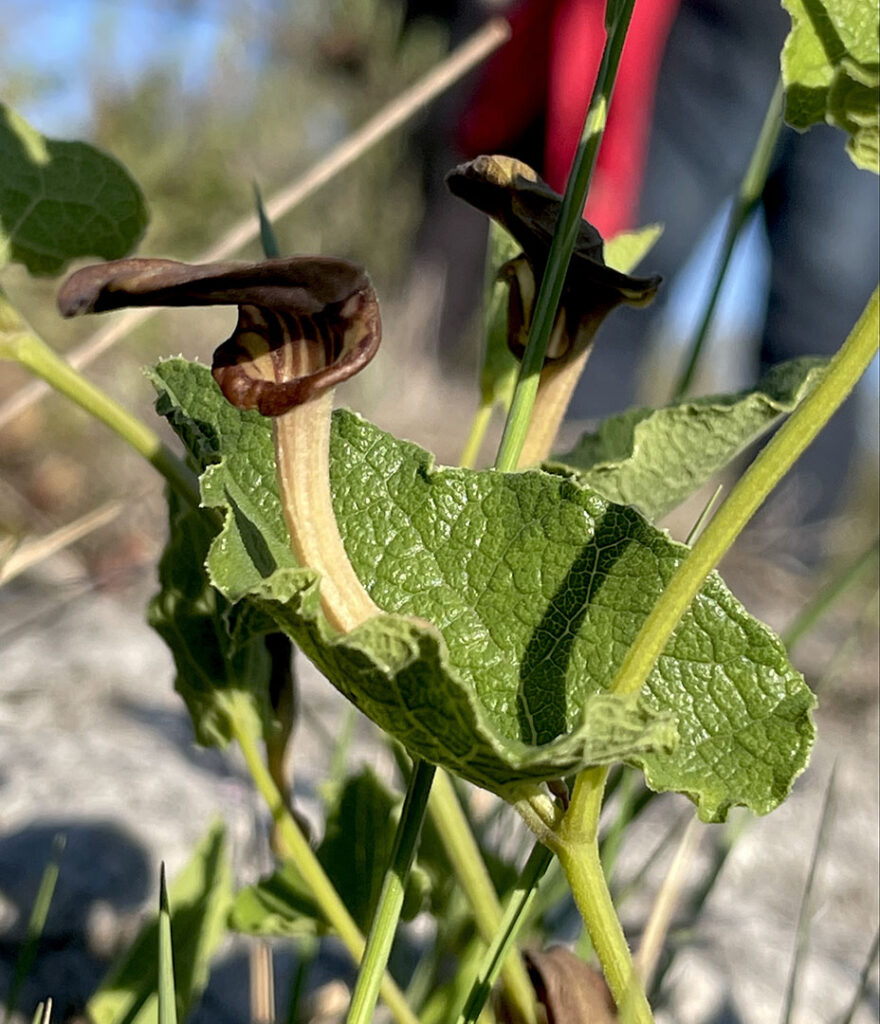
point(381, 937)
point(474, 443)
point(35, 355)
point(583, 869)
point(757, 482)
point(576, 844)
point(470, 870)
point(311, 870)
point(564, 237)
point(515, 915)
point(745, 201)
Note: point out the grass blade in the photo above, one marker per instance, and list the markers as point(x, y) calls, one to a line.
point(515, 915)
point(804, 915)
point(745, 201)
point(617, 17)
point(167, 998)
point(268, 240)
point(836, 586)
point(666, 902)
point(864, 976)
point(381, 937)
point(35, 926)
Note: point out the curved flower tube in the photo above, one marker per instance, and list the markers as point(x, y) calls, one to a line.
point(511, 193)
point(304, 325)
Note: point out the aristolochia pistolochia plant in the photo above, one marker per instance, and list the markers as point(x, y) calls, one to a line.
point(492, 610)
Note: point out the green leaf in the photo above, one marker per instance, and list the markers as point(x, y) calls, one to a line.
point(512, 600)
point(626, 250)
point(218, 677)
point(61, 200)
point(199, 897)
point(356, 848)
point(278, 905)
point(355, 852)
point(831, 71)
point(656, 458)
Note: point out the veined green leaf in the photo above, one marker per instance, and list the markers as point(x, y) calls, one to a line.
point(199, 898)
point(512, 600)
point(60, 200)
point(831, 71)
point(656, 458)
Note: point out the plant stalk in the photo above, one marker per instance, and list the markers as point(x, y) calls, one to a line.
point(583, 869)
point(515, 916)
point(564, 237)
point(773, 462)
point(576, 844)
point(310, 868)
point(470, 870)
point(471, 451)
point(745, 201)
point(35, 355)
point(387, 915)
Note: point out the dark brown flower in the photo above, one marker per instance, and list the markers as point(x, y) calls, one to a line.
point(304, 324)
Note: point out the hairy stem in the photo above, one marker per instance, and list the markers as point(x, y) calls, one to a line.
point(576, 844)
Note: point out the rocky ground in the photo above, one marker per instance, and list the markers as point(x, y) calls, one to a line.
point(94, 743)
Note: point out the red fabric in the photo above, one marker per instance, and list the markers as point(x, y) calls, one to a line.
point(551, 63)
point(513, 86)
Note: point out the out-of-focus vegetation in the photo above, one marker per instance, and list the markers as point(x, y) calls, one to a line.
point(284, 84)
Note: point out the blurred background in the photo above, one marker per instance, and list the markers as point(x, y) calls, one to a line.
point(201, 99)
